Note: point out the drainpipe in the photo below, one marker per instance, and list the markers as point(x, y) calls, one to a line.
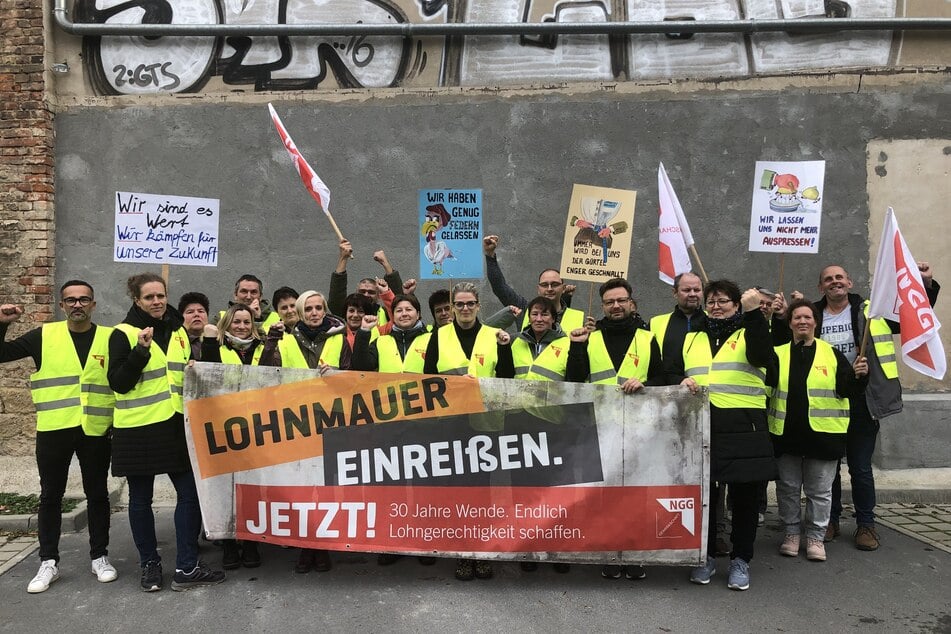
point(406, 29)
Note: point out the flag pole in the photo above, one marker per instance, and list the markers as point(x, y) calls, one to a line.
point(696, 256)
point(864, 339)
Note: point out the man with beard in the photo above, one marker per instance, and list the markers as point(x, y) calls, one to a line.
point(620, 351)
point(74, 408)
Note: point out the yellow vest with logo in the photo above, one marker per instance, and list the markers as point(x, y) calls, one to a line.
point(158, 394)
point(734, 383)
point(883, 341)
point(827, 411)
point(636, 361)
point(551, 364)
point(390, 361)
point(697, 357)
point(452, 360)
point(66, 394)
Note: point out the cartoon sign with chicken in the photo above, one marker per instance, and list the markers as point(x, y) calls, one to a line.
point(450, 222)
point(787, 206)
point(597, 243)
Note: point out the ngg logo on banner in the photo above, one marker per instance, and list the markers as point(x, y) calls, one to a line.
point(680, 513)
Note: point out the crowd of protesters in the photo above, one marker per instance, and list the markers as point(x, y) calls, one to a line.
point(791, 391)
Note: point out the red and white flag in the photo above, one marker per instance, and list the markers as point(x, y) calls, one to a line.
point(899, 294)
point(674, 233)
point(308, 176)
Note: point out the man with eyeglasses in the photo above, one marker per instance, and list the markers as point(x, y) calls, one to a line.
point(617, 350)
point(550, 285)
point(74, 406)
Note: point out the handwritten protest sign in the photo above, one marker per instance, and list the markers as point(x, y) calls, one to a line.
point(787, 206)
point(597, 242)
point(450, 242)
point(157, 229)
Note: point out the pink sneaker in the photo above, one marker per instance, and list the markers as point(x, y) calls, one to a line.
point(790, 546)
point(815, 550)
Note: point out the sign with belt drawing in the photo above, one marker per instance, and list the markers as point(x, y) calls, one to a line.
point(597, 243)
point(451, 466)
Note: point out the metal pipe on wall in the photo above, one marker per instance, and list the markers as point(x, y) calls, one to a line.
point(808, 25)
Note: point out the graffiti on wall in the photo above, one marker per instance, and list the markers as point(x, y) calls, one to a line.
point(140, 65)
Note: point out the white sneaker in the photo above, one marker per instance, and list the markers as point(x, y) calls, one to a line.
point(103, 570)
point(47, 574)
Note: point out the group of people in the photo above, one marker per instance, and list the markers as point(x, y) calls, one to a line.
point(790, 394)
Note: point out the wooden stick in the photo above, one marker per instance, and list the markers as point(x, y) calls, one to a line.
point(782, 266)
point(696, 256)
point(590, 297)
point(165, 273)
point(333, 223)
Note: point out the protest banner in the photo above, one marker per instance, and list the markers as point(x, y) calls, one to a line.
point(787, 206)
point(450, 237)
point(157, 229)
point(449, 466)
point(597, 244)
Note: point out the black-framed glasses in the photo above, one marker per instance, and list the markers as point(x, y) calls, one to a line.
point(612, 302)
point(722, 301)
point(469, 304)
point(77, 301)
point(549, 284)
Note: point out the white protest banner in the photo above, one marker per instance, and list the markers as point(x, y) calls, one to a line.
point(451, 466)
point(597, 243)
point(787, 206)
point(158, 229)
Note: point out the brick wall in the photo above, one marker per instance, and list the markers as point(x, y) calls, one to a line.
point(26, 204)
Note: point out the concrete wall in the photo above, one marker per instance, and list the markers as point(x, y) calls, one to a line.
point(524, 151)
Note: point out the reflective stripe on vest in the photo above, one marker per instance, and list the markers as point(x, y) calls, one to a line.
point(636, 361)
point(157, 395)
point(452, 360)
point(734, 383)
point(883, 342)
point(390, 361)
point(827, 412)
point(551, 364)
point(571, 318)
point(68, 395)
point(697, 357)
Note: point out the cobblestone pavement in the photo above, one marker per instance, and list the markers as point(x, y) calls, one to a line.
point(929, 523)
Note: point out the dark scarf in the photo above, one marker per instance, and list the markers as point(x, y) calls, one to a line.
point(719, 329)
point(162, 329)
point(313, 333)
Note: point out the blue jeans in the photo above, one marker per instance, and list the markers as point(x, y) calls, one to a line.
point(860, 445)
point(187, 519)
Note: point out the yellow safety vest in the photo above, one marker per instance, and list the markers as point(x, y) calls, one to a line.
point(68, 395)
point(636, 361)
point(291, 355)
point(734, 383)
point(883, 340)
point(231, 357)
point(697, 357)
point(572, 318)
point(390, 361)
point(158, 394)
point(551, 364)
point(452, 360)
point(827, 412)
